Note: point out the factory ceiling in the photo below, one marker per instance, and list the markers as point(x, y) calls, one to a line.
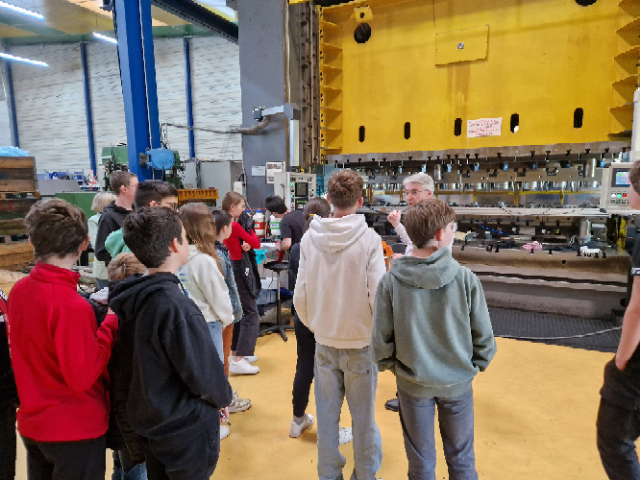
point(76, 20)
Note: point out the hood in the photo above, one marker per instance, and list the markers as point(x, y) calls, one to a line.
point(112, 207)
point(430, 273)
point(336, 234)
point(193, 251)
point(127, 297)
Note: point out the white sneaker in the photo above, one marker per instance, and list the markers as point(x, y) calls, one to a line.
point(345, 435)
point(242, 367)
point(296, 430)
point(224, 432)
point(251, 359)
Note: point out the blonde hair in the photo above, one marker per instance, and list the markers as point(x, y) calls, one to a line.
point(123, 266)
point(201, 229)
point(231, 199)
point(101, 200)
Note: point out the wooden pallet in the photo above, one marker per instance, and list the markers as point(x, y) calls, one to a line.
point(18, 174)
point(15, 256)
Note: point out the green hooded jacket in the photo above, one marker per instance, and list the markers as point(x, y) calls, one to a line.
point(115, 243)
point(431, 326)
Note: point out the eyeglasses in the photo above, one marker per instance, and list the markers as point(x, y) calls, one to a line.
point(413, 193)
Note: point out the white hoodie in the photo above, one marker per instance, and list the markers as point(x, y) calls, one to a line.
point(205, 285)
point(341, 264)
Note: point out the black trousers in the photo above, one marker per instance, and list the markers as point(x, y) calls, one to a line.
point(191, 456)
point(304, 367)
point(618, 429)
point(81, 460)
point(245, 332)
point(7, 441)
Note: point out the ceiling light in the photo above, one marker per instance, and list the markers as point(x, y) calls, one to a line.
point(105, 38)
point(25, 60)
point(21, 10)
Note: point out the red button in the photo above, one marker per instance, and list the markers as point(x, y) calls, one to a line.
point(624, 195)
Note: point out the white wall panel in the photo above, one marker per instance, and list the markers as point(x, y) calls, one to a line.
point(215, 71)
point(107, 107)
point(50, 107)
point(5, 121)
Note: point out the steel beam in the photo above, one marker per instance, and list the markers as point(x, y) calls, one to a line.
point(137, 74)
point(87, 108)
point(199, 15)
point(15, 138)
point(187, 74)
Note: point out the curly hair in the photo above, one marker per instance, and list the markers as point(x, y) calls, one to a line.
point(56, 228)
point(345, 188)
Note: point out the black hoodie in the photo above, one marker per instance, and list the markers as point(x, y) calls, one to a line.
point(167, 358)
point(111, 220)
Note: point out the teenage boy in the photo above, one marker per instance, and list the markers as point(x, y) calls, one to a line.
point(124, 185)
point(341, 263)
point(431, 328)
point(59, 354)
point(150, 193)
point(292, 224)
point(619, 413)
point(177, 384)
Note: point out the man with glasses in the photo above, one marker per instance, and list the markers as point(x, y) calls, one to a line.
point(124, 185)
point(416, 187)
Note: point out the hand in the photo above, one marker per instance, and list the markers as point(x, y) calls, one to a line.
point(394, 218)
point(278, 246)
point(245, 247)
point(225, 410)
point(397, 256)
point(620, 365)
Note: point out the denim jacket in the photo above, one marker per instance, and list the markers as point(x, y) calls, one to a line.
point(225, 261)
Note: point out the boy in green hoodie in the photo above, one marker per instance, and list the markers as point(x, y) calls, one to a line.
point(431, 328)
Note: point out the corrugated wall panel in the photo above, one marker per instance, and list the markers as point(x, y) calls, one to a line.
point(5, 121)
point(50, 107)
point(107, 107)
point(216, 96)
point(172, 103)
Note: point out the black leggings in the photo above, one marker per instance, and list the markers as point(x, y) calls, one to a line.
point(304, 367)
point(245, 332)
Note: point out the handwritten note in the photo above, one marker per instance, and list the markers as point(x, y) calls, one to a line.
point(484, 127)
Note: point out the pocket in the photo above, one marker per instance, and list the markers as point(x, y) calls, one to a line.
point(360, 369)
point(321, 359)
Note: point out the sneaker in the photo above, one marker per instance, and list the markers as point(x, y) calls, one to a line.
point(251, 359)
point(242, 367)
point(224, 432)
point(345, 435)
point(392, 405)
point(296, 430)
point(239, 404)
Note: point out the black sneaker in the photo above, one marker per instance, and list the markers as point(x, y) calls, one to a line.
point(392, 405)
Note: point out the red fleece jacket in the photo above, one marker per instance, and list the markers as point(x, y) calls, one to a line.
point(59, 357)
point(239, 235)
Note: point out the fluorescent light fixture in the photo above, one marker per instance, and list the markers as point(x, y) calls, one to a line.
point(21, 10)
point(105, 38)
point(25, 60)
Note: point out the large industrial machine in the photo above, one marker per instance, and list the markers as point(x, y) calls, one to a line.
point(295, 188)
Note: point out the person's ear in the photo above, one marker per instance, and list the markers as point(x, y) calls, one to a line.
point(175, 245)
point(329, 199)
point(360, 202)
point(439, 235)
point(152, 203)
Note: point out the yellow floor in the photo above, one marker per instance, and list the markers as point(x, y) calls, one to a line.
point(535, 419)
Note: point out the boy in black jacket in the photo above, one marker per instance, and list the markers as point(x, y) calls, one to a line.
point(177, 383)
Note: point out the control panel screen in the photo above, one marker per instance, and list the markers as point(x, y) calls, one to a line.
point(302, 189)
point(620, 178)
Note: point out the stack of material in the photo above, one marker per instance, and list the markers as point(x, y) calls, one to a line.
point(18, 192)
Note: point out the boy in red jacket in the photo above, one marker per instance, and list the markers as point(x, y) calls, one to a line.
point(59, 354)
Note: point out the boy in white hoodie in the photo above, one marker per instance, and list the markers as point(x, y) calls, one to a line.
point(341, 263)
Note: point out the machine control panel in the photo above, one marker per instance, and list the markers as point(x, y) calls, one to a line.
point(295, 188)
point(614, 195)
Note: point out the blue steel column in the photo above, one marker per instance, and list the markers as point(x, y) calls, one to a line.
point(187, 73)
point(134, 87)
point(87, 107)
point(150, 73)
point(12, 106)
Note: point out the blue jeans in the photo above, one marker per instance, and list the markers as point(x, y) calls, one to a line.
point(215, 329)
point(135, 472)
point(354, 374)
point(455, 416)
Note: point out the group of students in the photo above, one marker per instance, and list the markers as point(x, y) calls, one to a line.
point(142, 366)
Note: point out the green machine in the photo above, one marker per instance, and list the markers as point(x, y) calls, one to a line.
point(116, 159)
point(82, 200)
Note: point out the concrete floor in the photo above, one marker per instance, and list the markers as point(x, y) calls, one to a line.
point(535, 419)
